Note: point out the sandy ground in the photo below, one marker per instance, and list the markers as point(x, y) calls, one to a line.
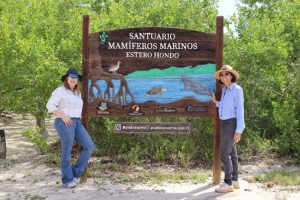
point(23, 175)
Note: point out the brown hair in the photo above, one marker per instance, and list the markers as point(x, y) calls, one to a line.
point(76, 90)
point(232, 80)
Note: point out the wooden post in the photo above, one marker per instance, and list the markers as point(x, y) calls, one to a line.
point(217, 123)
point(2, 145)
point(85, 72)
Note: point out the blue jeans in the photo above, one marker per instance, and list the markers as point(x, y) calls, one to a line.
point(67, 136)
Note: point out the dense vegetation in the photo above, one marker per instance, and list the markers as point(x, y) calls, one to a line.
point(40, 39)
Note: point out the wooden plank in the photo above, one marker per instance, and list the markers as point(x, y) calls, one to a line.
point(150, 128)
point(217, 123)
point(157, 53)
point(2, 145)
point(191, 108)
point(85, 67)
point(85, 72)
point(148, 53)
point(135, 54)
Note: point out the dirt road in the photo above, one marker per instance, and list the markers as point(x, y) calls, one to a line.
point(23, 175)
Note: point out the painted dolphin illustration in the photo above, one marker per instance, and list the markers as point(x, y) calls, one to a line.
point(195, 86)
point(158, 90)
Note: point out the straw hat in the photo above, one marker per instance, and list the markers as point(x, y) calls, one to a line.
point(226, 68)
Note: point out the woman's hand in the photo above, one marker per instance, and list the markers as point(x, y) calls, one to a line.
point(213, 97)
point(68, 121)
point(236, 137)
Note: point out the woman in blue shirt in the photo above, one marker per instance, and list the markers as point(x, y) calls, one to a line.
point(231, 114)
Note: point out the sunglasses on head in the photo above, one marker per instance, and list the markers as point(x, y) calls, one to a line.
point(71, 77)
point(224, 74)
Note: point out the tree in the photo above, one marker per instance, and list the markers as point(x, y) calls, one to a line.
point(265, 48)
point(187, 14)
point(39, 41)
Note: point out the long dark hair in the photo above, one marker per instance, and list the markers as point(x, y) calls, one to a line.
point(76, 90)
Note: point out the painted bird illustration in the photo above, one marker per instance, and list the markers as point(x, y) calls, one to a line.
point(114, 68)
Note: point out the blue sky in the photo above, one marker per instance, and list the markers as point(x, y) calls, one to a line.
point(226, 8)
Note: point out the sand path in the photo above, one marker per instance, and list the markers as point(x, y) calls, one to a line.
point(23, 175)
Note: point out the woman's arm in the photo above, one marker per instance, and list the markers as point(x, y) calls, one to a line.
point(239, 104)
point(213, 98)
point(68, 121)
point(52, 106)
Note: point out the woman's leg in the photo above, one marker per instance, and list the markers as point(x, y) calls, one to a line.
point(66, 134)
point(83, 138)
point(234, 160)
point(227, 145)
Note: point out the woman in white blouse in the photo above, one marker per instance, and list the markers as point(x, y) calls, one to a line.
point(66, 104)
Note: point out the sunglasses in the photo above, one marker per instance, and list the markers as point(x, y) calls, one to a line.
point(224, 74)
point(71, 77)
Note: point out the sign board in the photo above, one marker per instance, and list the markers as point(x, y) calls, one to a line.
point(151, 72)
point(141, 127)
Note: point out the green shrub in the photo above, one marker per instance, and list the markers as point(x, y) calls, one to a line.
point(198, 145)
point(252, 144)
point(37, 139)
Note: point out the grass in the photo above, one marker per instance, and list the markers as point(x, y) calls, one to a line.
point(283, 178)
point(34, 197)
point(119, 173)
point(52, 159)
point(159, 176)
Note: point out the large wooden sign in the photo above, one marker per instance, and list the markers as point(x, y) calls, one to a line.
point(151, 72)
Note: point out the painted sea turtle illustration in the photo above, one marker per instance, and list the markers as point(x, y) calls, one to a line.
point(158, 90)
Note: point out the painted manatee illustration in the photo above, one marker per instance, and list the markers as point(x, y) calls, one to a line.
point(195, 86)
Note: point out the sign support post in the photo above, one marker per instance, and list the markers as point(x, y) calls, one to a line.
point(217, 123)
point(85, 72)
